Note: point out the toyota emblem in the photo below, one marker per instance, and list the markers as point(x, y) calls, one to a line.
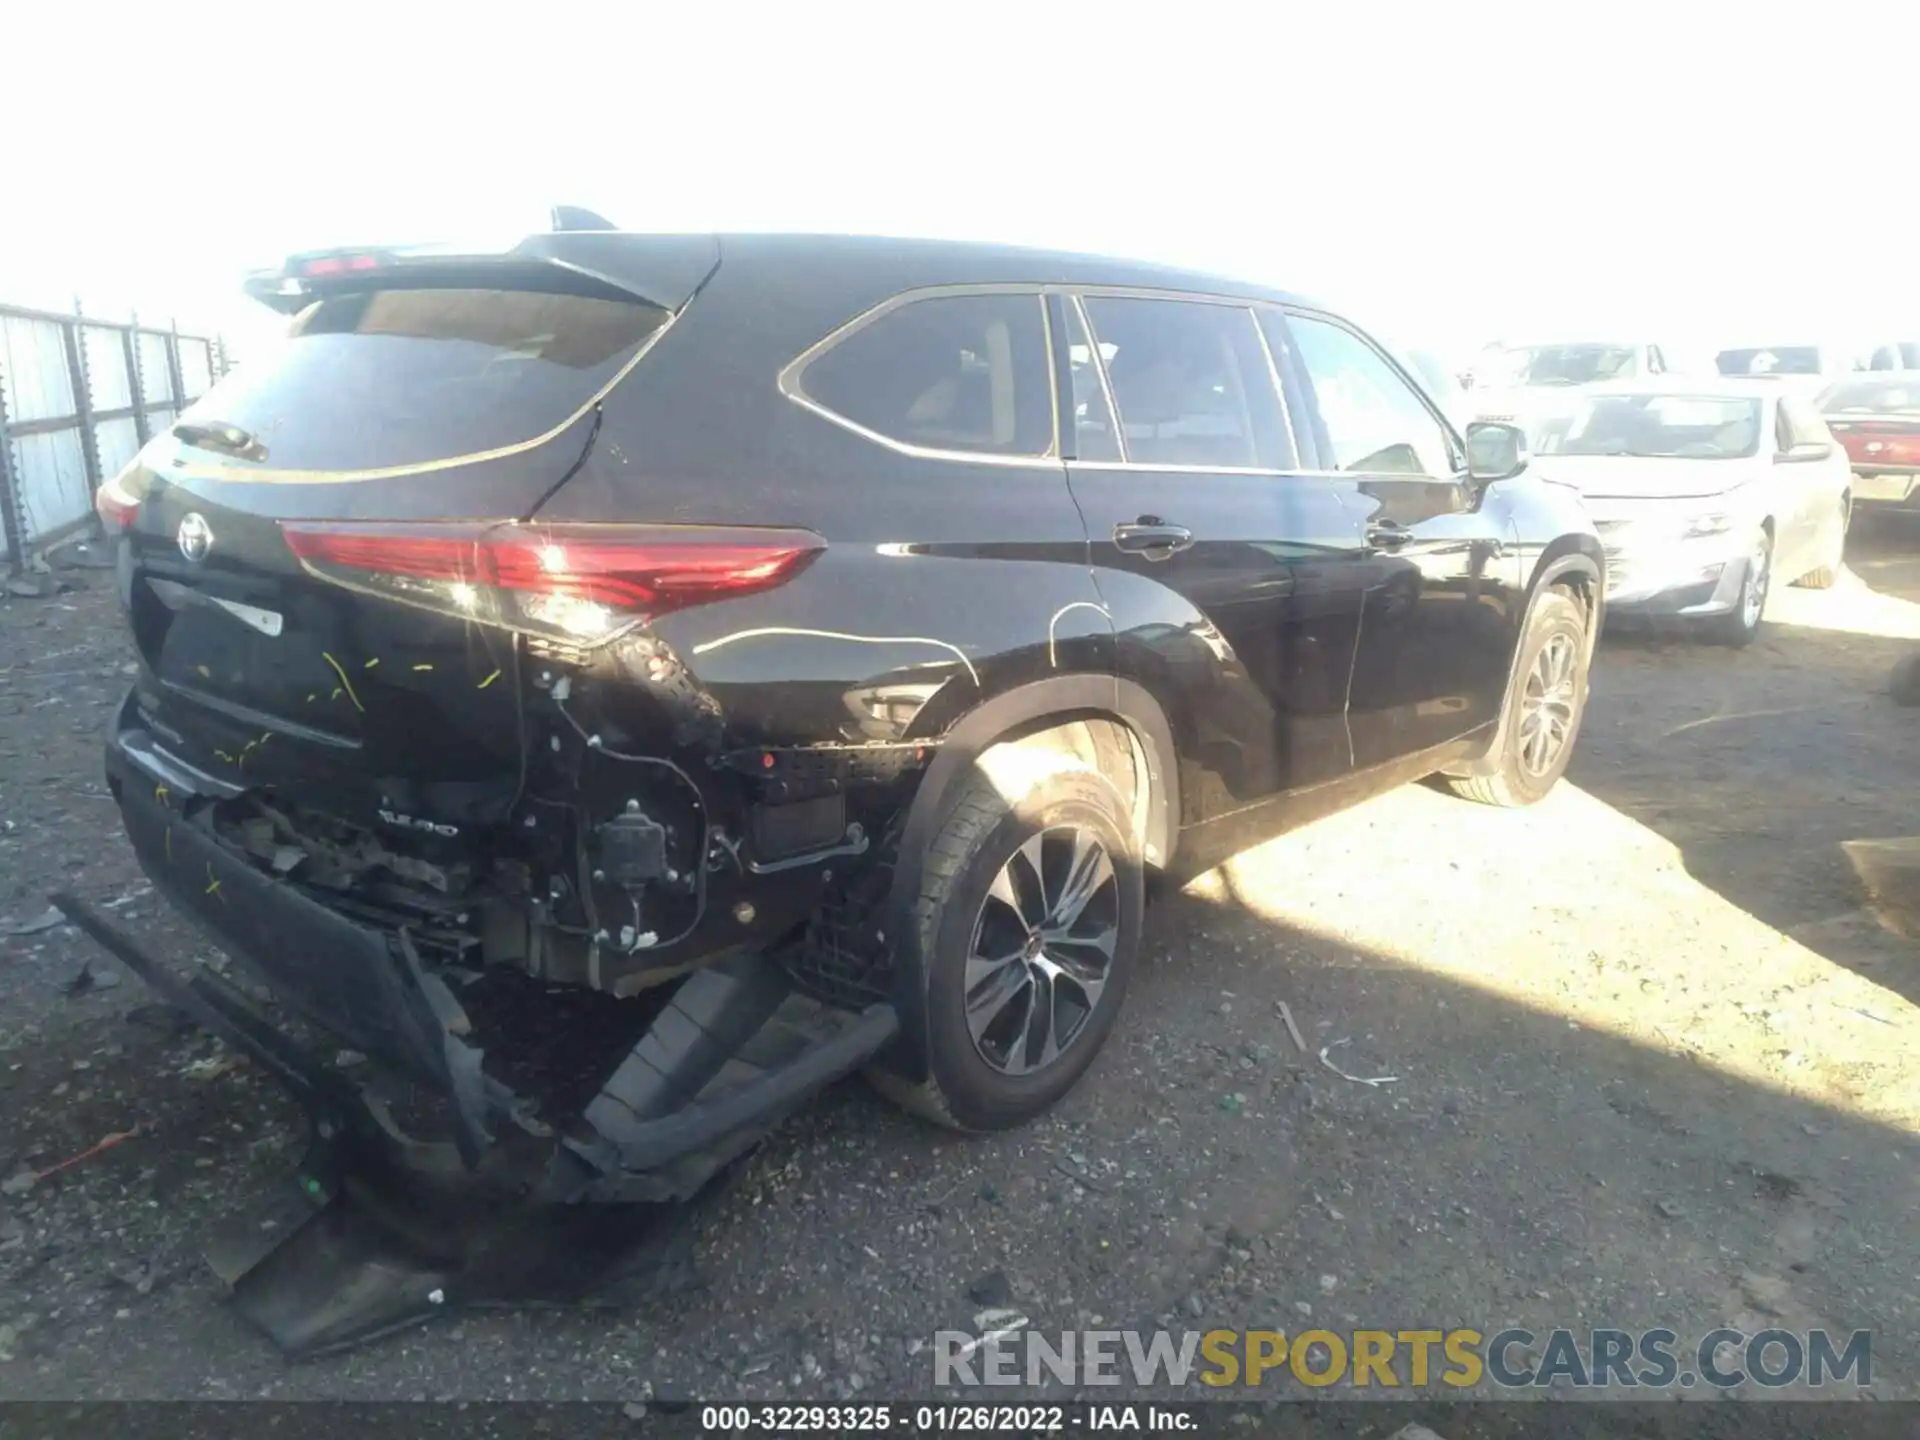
point(195, 537)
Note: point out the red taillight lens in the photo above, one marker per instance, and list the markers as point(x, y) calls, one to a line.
point(339, 264)
point(580, 583)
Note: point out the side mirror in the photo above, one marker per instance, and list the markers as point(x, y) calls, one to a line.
point(1805, 450)
point(1495, 451)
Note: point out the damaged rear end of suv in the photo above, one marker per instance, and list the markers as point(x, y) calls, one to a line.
point(431, 759)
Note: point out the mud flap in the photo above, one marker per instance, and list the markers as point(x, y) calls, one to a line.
point(381, 1230)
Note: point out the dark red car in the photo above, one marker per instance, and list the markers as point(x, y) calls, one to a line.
point(1876, 419)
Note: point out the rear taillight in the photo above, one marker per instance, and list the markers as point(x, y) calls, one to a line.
point(116, 507)
point(579, 583)
point(338, 264)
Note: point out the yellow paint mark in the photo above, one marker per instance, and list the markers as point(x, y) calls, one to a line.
point(313, 697)
point(419, 668)
point(371, 663)
point(213, 883)
point(221, 754)
point(345, 684)
point(204, 672)
point(160, 793)
point(337, 693)
point(489, 680)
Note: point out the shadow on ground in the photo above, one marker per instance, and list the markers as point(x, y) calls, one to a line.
point(1759, 764)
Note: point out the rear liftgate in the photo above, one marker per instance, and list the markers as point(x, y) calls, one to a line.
point(381, 1230)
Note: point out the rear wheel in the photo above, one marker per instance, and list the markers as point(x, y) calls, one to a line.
point(1029, 917)
point(1740, 625)
point(1823, 576)
point(1543, 708)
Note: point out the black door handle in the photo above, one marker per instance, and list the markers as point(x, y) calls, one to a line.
point(1387, 535)
point(1152, 539)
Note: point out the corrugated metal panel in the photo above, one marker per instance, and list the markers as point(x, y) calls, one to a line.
point(53, 481)
point(118, 442)
point(33, 357)
point(156, 381)
point(196, 367)
point(106, 368)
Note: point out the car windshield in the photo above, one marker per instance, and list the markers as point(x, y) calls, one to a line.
point(1874, 397)
point(1688, 427)
point(1770, 360)
point(1567, 364)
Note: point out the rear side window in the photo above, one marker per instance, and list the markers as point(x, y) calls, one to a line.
point(1375, 422)
point(1191, 383)
point(966, 373)
point(389, 378)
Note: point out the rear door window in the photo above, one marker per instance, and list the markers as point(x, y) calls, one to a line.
point(1191, 382)
point(1375, 422)
point(396, 378)
point(954, 373)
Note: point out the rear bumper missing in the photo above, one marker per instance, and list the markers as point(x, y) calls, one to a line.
point(733, 1053)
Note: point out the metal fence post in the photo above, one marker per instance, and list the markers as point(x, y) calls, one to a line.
point(173, 366)
point(82, 397)
point(11, 515)
point(130, 337)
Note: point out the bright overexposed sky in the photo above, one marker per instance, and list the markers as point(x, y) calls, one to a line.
point(1450, 173)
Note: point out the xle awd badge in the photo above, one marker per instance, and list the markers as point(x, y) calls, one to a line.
point(195, 538)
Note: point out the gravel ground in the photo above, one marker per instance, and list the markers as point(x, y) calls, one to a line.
point(1656, 1066)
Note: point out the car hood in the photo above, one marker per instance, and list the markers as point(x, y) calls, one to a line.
point(1629, 477)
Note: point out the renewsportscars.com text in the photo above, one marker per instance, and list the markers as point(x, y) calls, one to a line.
point(1603, 1359)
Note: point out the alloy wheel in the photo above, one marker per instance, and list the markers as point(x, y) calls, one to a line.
point(1043, 945)
point(1547, 704)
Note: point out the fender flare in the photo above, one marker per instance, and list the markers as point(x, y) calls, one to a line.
point(1555, 565)
point(1020, 711)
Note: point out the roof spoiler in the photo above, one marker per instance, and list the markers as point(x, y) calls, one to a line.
point(582, 254)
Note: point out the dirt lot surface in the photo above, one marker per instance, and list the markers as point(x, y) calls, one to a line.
point(1656, 1065)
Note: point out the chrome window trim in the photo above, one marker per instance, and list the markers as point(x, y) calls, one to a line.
point(1106, 386)
point(792, 373)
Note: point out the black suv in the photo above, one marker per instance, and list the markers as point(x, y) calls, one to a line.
point(811, 643)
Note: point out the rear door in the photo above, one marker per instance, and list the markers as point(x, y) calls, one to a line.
point(1234, 581)
point(1442, 614)
point(298, 625)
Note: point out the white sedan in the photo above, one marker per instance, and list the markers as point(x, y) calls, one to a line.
point(1704, 491)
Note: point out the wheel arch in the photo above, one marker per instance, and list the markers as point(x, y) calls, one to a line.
point(1576, 564)
point(1009, 718)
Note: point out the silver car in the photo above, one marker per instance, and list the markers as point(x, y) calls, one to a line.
point(1704, 491)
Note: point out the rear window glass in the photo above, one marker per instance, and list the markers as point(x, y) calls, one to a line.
point(949, 372)
point(1777, 360)
point(402, 377)
point(1873, 397)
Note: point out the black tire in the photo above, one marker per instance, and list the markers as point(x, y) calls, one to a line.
point(980, 836)
point(1516, 780)
point(1827, 574)
point(1740, 626)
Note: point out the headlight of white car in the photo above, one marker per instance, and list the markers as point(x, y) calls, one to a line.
point(1700, 527)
